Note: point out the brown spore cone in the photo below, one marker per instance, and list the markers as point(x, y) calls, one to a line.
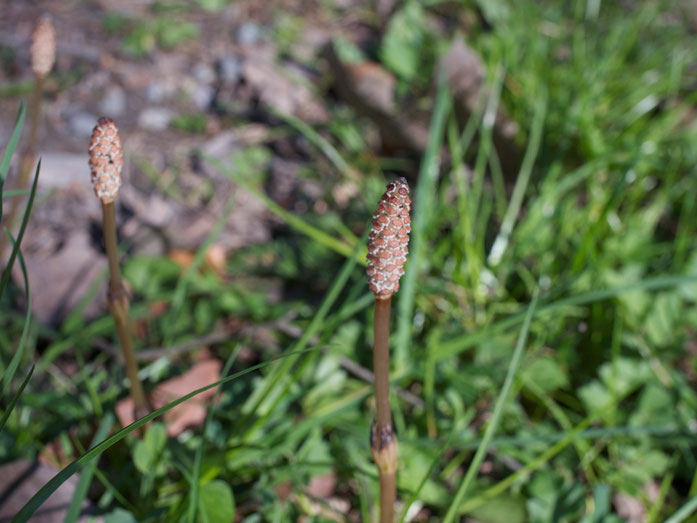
point(106, 160)
point(43, 47)
point(388, 240)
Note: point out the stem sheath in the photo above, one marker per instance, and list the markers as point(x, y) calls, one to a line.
point(381, 361)
point(383, 439)
point(388, 494)
point(119, 306)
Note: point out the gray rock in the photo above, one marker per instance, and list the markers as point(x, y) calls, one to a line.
point(202, 96)
point(229, 69)
point(81, 123)
point(155, 92)
point(248, 34)
point(113, 102)
point(155, 118)
point(204, 73)
point(60, 170)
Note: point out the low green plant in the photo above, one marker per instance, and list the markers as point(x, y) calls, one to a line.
point(194, 123)
point(15, 255)
point(143, 36)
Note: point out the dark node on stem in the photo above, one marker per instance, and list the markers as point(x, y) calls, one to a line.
point(381, 438)
point(383, 447)
point(118, 293)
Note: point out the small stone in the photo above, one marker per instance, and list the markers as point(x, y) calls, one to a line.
point(202, 96)
point(204, 73)
point(155, 118)
point(248, 34)
point(113, 102)
point(229, 69)
point(155, 92)
point(81, 123)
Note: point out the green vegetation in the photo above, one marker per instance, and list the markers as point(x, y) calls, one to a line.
point(552, 378)
point(142, 36)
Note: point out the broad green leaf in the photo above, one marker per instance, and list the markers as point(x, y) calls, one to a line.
point(547, 374)
point(147, 452)
point(505, 508)
point(216, 503)
point(403, 43)
point(119, 516)
point(662, 318)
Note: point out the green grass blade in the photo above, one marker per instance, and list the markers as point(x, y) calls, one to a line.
point(485, 144)
point(49, 488)
point(423, 206)
point(20, 234)
point(312, 329)
point(12, 144)
point(473, 469)
point(538, 462)
point(15, 192)
point(667, 481)
point(683, 512)
point(422, 483)
point(182, 284)
point(15, 398)
point(558, 414)
point(14, 362)
point(196, 472)
point(521, 184)
point(318, 141)
point(293, 221)
point(453, 347)
point(86, 477)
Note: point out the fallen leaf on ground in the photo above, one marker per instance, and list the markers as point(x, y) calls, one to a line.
point(322, 486)
point(189, 414)
point(629, 508)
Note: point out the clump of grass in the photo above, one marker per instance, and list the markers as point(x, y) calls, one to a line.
point(387, 253)
point(106, 163)
point(43, 56)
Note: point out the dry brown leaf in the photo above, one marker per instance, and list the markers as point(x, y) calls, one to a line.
point(216, 259)
point(629, 508)
point(284, 490)
point(181, 257)
point(374, 83)
point(322, 486)
point(191, 413)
